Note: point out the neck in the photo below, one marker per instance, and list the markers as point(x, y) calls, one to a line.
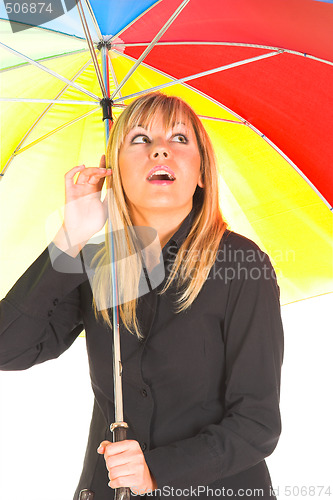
point(165, 222)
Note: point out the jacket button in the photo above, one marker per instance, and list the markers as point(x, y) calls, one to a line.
point(55, 302)
point(144, 393)
point(143, 446)
point(50, 312)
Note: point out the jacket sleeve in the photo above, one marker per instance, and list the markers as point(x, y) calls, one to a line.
point(251, 425)
point(40, 316)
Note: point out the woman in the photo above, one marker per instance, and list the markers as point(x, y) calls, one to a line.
point(201, 350)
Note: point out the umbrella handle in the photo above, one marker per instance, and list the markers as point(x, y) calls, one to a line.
point(119, 431)
point(86, 495)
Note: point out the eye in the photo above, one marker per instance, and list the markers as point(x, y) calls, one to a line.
point(140, 139)
point(180, 138)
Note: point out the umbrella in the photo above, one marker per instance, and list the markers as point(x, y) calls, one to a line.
point(258, 73)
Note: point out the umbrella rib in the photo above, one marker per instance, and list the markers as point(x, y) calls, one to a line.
point(64, 125)
point(203, 73)
point(306, 298)
point(197, 91)
point(18, 151)
point(45, 136)
point(243, 121)
point(91, 47)
point(55, 101)
point(47, 30)
point(49, 71)
point(49, 101)
point(229, 44)
point(295, 167)
point(93, 18)
point(204, 117)
point(151, 45)
point(50, 58)
point(113, 73)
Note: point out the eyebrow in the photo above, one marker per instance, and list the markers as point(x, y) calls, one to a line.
point(134, 127)
point(145, 128)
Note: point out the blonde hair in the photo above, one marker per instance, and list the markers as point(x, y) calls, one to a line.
point(189, 272)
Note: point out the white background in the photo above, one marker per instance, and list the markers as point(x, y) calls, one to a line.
point(45, 415)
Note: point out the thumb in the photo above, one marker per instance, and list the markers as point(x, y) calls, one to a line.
point(102, 446)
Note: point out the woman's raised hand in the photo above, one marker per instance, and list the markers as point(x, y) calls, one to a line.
point(85, 213)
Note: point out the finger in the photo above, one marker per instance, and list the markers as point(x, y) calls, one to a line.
point(95, 179)
point(102, 163)
point(123, 482)
point(96, 174)
point(119, 447)
point(102, 446)
point(71, 173)
point(112, 449)
point(121, 459)
point(120, 471)
point(94, 171)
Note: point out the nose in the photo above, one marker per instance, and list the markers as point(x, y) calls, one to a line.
point(158, 153)
point(160, 150)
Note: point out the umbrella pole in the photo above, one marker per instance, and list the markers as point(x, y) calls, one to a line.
point(119, 427)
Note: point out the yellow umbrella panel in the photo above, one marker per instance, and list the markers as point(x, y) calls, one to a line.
point(261, 195)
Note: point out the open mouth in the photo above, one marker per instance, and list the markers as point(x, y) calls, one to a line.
point(161, 175)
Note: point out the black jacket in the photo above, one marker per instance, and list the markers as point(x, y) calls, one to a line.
point(201, 391)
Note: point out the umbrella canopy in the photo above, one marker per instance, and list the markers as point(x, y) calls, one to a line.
point(258, 73)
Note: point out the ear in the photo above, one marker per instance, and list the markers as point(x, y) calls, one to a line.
point(200, 182)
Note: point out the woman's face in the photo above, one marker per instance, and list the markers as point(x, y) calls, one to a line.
point(160, 168)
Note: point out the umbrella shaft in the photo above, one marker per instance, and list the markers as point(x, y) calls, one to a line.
point(117, 370)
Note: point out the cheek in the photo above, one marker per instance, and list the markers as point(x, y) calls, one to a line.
point(130, 180)
point(126, 172)
point(128, 183)
point(194, 164)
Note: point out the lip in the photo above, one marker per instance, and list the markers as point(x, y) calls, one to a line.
point(161, 167)
point(161, 183)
